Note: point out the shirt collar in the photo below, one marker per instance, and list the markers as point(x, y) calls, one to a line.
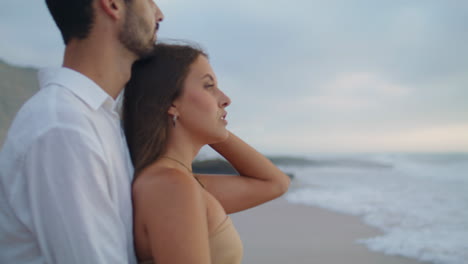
point(83, 87)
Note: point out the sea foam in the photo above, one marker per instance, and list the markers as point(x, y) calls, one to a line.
point(419, 202)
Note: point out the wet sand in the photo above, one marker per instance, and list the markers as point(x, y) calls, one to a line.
point(279, 232)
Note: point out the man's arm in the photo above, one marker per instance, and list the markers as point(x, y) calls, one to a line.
point(73, 216)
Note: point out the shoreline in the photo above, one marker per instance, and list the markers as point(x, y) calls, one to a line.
point(284, 232)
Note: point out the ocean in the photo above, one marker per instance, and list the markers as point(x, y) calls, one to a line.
point(418, 201)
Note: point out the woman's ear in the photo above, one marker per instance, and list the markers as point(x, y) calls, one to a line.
point(173, 110)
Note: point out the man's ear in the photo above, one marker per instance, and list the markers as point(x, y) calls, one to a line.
point(113, 8)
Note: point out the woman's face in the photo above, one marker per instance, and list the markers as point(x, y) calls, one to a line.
point(201, 107)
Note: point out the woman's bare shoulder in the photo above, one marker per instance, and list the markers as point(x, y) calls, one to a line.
point(167, 182)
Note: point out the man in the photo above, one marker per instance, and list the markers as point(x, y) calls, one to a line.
point(65, 172)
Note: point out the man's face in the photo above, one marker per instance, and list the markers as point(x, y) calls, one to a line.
point(138, 33)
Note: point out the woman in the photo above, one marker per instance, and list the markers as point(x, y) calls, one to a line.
point(172, 107)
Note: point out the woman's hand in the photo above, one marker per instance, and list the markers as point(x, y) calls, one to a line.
point(259, 180)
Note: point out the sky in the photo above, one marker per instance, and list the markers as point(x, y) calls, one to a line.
point(310, 76)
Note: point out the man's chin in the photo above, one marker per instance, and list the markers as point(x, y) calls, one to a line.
point(143, 51)
point(146, 53)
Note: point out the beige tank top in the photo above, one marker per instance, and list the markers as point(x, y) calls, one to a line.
point(225, 245)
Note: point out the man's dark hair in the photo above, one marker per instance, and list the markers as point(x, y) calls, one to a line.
point(74, 18)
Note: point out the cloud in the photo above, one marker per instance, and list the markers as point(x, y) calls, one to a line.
point(30, 35)
point(311, 74)
point(450, 138)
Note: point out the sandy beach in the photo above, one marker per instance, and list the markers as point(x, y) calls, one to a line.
point(281, 232)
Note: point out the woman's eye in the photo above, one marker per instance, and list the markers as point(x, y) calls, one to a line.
point(208, 86)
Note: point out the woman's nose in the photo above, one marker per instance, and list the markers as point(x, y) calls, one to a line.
point(225, 100)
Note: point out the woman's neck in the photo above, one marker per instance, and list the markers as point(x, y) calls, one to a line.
point(182, 149)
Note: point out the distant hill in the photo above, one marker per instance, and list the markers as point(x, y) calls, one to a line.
point(17, 84)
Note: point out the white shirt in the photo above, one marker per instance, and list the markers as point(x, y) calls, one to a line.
point(65, 177)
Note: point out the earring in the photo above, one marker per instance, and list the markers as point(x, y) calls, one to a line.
point(174, 119)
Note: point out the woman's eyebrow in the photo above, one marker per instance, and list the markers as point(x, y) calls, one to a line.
point(209, 76)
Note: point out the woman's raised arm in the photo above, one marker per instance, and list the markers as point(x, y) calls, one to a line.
point(259, 180)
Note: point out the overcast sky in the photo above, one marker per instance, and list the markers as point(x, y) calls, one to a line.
point(308, 76)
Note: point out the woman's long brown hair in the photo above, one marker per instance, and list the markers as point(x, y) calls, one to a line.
point(155, 83)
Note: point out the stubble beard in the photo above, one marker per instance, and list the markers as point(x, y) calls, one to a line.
point(136, 35)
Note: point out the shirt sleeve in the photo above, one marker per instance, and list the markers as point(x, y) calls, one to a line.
point(73, 216)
